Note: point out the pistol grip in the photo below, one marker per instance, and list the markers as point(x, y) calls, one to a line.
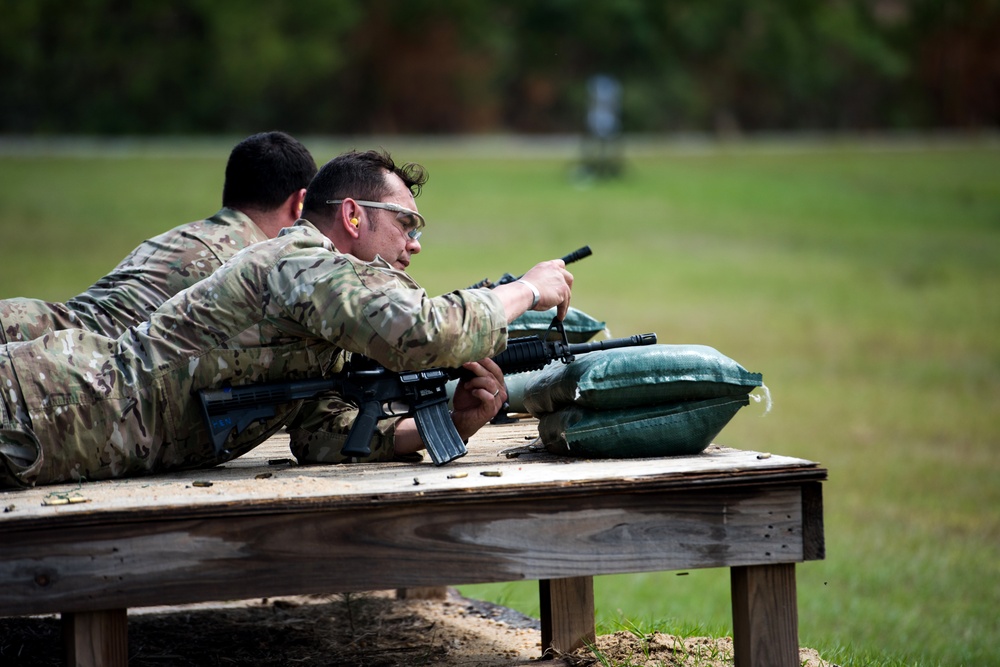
point(359, 439)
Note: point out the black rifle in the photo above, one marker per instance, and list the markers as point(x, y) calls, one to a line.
point(380, 394)
point(507, 278)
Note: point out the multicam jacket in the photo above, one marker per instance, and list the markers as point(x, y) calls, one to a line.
point(152, 273)
point(80, 405)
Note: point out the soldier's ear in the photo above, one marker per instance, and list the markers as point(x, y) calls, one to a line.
point(292, 207)
point(350, 217)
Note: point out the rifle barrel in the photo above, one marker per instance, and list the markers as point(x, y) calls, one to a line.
point(577, 255)
point(574, 256)
point(612, 343)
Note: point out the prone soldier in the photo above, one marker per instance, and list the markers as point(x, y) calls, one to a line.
point(81, 405)
point(265, 184)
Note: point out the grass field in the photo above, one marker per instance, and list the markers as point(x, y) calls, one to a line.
point(863, 281)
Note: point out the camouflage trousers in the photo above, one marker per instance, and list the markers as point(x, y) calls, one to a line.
point(317, 434)
point(20, 452)
point(320, 429)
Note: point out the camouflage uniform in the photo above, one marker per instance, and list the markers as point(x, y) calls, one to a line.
point(80, 405)
point(152, 273)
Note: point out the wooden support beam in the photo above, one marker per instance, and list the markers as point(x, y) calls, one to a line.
point(96, 638)
point(765, 616)
point(567, 611)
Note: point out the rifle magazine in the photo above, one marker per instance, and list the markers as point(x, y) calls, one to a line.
point(438, 433)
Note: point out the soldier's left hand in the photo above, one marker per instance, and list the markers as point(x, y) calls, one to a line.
point(478, 399)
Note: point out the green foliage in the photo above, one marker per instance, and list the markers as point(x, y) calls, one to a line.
point(102, 66)
point(441, 66)
point(860, 279)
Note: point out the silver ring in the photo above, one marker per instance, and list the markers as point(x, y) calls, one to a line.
point(496, 393)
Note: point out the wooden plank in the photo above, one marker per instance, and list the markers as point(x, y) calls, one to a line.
point(250, 484)
point(567, 614)
point(96, 638)
point(431, 543)
point(765, 616)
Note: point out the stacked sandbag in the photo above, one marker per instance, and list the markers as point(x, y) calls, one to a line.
point(658, 400)
point(579, 326)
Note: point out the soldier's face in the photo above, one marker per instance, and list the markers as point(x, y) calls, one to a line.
point(387, 237)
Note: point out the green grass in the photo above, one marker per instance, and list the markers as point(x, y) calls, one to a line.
point(863, 282)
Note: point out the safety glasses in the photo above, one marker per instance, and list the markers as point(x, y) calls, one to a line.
point(411, 221)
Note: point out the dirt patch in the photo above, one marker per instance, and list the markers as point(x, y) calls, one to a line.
point(662, 650)
point(364, 630)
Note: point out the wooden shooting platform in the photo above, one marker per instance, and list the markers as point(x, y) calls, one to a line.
point(262, 526)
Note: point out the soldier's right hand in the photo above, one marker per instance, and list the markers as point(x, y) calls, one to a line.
point(554, 284)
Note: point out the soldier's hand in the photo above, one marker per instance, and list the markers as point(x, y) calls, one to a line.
point(478, 399)
point(554, 284)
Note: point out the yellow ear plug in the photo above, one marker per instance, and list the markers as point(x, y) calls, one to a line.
point(354, 221)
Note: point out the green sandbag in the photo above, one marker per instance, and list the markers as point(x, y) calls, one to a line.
point(680, 429)
point(580, 327)
point(638, 376)
point(516, 385)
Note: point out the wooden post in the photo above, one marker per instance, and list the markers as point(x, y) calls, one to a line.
point(567, 611)
point(765, 616)
point(96, 638)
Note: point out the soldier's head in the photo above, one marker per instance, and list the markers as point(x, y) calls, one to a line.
point(264, 170)
point(364, 202)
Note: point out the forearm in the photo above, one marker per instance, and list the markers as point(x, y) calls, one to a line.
point(406, 438)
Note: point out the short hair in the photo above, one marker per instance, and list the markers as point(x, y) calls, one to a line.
point(360, 176)
point(264, 169)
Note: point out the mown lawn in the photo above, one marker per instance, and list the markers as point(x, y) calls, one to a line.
point(862, 280)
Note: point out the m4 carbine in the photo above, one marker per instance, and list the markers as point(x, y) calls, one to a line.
point(380, 394)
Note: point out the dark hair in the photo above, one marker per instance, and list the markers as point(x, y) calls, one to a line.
point(264, 169)
point(359, 176)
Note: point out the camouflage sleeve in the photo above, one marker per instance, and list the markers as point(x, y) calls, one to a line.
point(383, 314)
point(159, 268)
point(24, 319)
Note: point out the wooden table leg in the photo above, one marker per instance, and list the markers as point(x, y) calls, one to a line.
point(765, 616)
point(96, 638)
point(567, 611)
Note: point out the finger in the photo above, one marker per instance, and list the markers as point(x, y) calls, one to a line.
point(475, 367)
point(485, 387)
point(563, 308)
point(485, 368)
point(488, 389)
point(497, 392)
point(493, 369)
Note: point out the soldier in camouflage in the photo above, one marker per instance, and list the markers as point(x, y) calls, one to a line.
point(266, 179)
point(80, 405)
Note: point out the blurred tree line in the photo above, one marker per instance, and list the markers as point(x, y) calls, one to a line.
point(442, 66)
